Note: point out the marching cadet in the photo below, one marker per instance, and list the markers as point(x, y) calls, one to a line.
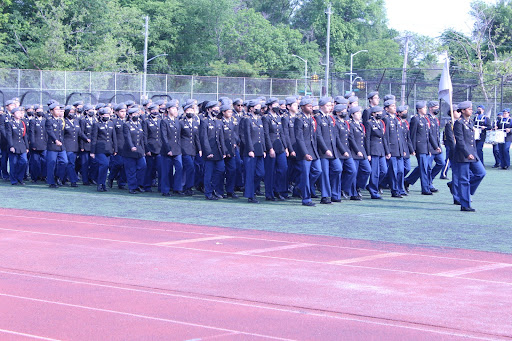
point(482, 122)
point(373, 100)
point(56, 157)
point(353, 101)
point(17, 144)
point(330, 162)
point(72, 137)
point(103, 145)
point(292, 108)
point(409, 150)
point(239, 113)
point(422, 142)
point(190, 146)
point(495, 147)
point(436, 152)
point(6, 117)
point(172, 163)
point(276, 166)
point(152, 130)
point(117, 165)
point(505, 124)
point(378, 150)
point(37, 143)
point(307, 152)
point(89, 165)
point(231, 140)
point(347, 178)
point(471, 171)
point(397, 149)
point(359, 151)
point(134, 152)
point(254, 149)
point(449, 143)
point(211, 135)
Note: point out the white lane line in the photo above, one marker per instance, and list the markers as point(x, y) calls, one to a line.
point(153, 318)
point(261, 256)
point(37, 337)
point(212, 234)
point(270, 249)
point(185, 241)
point(367, 258)
point(300, 311)
point(474, 269)
point(213, 337)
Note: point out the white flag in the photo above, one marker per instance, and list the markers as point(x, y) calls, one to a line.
point(445, 84)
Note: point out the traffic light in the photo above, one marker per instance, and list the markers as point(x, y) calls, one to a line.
point(314, 78)
point(361, 85)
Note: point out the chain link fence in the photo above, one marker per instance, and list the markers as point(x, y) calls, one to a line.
point(38, 86)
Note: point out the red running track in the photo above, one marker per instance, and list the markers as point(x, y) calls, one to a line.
point(69, 277)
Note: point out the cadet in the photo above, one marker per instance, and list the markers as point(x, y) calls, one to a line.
point(307, 150)
point(495, 147)
point(449, 143)
point(421, 141)
point(397, 149)
point(378, 150)
point(292, 108)
point(172, 164)
point(133, 151)
point(359, 151)
point(56, 156)
point(89, 165)
point(37, 143)
point(239, 113)
point(436, 152)
point(373, 100)
point(190, 145)
point(409, 150)
point(231, 140)
point(329, 158)
point(471, 171)
point(505, 124)
point(103, 145)
point(17, 144)
point(276, 167)
point(72, 137)
point(211, 135)
point(254, 149)
point(152, 130)
point(117, 164)
point(6, 117)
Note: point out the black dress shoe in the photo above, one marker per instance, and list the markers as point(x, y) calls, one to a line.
point(110, 182)
point(356, 198)
point(335, 200)
point(15, 184)
point(496, 166)
point(404, 194)
point(426, 193)
point(450, 186)
point(179, 193)
point(434, 190)
point(376, 197)
point(280, 197)
point(218, 196)
point(258, 193)
point(455, 202)
point(140, 189)
point(100, 189)
point(504, 168)
point(133, 191)
point(344, 195)
point(270, 199)
point(121, 187)
point(86, 184)
point(166, 194)
point(232, 195)
point(396, 196)
point(325, 201)
point(253, 200)
point(211, 197)
point(314, 196)
point(309, 203)
point(73, 184)
point(189, 192)
point(467, 209)
point(406, 185)
point(442, 177)
point(93, 182)
point(21, 183)
point(53, 186)
point(59, 183)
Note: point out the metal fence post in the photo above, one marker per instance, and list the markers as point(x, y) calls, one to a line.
point(90, 81)
point(19, 82)
point(115, 85)
point(296, 86)
point(166, 89)
point(217, 87)
point(245, 94)
point(65, 84)
point(192, 86)
point(271, 87)
point(41, 87)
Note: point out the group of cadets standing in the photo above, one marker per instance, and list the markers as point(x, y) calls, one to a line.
point(296, 146)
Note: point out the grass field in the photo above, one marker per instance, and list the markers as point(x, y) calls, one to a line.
point(416, 219)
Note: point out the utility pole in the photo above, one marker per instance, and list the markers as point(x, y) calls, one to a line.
point(145, 56)
point(404, 69)
point(328, 12)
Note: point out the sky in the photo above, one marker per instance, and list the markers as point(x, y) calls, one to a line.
point(430, 17)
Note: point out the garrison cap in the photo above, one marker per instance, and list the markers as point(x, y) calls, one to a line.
point(324, 100)
point(353, 99)
point(354, 110)
point(100, 105)
point(104, 111)
point(211, 104)
point(88, 107)
point(9, 102)
point(421, 104)
point(315, 102)
point(340, 100)
point(306, 101)
point(133, 110)
point(160, 102)
point(402, 108)
point(152, 106)
point(339, 107)
point(481, 106)
point(225, 100)
point(50, 101)
point(120, 107)
point(372, 93)
point(253, 102)
point(432, 104)
point(388, 97)
point(68, 108)
point(171, 103)
point(16, 109)
point(465, 105)
point(129, 103)
point(77, 103)
point(282, 102)
point(238, 101)
point(389, 102)
point(290, 100)
point(145, 102)
point(54, 105)
point(455, 108)
point(376, 108)
point(38, 107)
point(504, 110)
point(272, 100)
point(225, 107)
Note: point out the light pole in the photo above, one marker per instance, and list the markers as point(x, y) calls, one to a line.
point(146, 71)
point(351, 64)
point(305, 73)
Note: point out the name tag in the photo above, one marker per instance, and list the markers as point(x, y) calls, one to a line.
point(324, 124)
point(210, 127)
point(226, 128)
point(151, 125)
point(14, 127)
point(102, 128)
point(132, 129)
